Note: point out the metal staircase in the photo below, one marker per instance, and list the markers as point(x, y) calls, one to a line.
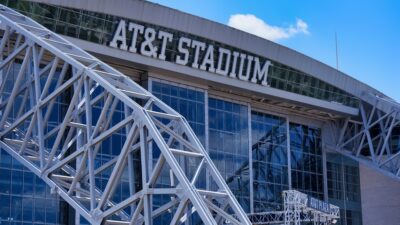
point(60, 107)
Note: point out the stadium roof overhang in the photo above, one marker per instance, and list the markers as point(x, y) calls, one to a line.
point(207, 78)
point(182, 22)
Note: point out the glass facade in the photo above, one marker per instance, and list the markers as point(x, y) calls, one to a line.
point(229, 144)
point(24, 197)
point(234, 135)
point(110, 148)
point(306, 160)
point(189, 102)
point(99, 28)
point(343, 180)
point(270, 164)
point(239, 139)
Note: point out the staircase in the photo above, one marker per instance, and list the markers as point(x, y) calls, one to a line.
point(60, 108)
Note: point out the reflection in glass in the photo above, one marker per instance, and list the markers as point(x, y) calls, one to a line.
point(270, 167)
point(343, 178)
point(23, 195)
point(306, 160)
point(190, 103)
point(228, 146)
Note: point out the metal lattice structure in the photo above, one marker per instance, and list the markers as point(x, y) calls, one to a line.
point(66, 153)
point(297, 210)
point(368, 138)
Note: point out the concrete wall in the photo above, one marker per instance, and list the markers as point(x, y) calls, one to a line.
point(380, 198)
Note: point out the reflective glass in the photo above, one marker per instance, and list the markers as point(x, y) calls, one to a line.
point(229, 144)
point(23, 195)
point(190, 103)
point(344, 187)
point(306, 160)
point(270, 167)
point(187, 101)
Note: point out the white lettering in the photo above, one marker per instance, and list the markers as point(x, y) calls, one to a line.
point(223, 52)
point(233, 68)
point(229, 63)
point(208, 59)
point(260, 74)
point(135, 28)
point(185, 51)
point(197, 45)
point(120, 36)
point(249, 61)
point(147, 48)
point(165, 37)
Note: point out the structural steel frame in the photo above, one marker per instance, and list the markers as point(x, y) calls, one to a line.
point(66, 156)
point(367, 138)
point(296, 211)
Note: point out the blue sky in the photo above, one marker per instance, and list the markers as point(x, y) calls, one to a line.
point(368, 31)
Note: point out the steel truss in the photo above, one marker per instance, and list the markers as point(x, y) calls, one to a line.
point(368, 138)
point(297, 211)
point(67, 154)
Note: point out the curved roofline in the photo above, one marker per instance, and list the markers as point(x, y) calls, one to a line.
point(157, 14)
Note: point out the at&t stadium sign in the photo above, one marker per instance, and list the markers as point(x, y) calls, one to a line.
point(181, 49)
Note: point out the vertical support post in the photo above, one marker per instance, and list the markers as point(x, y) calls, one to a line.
point(207, 133)
point(79, 142)
point(325, 173)
point(289, 158)
point(250, 159)
point(39, 117)
point(144, 159)
point(2, 44)
point(89, 128)
point(131, 172)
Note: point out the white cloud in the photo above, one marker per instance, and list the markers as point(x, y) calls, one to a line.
point(254, 25)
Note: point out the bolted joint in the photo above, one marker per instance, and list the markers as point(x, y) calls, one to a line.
point(54, 190)
point(96, 213)
point(137, 119)
point(180, 192)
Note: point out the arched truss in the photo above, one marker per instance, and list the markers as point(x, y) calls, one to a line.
point(60, 109)
point(373, 137)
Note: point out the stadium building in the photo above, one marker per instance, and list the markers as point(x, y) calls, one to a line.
point(270, 118)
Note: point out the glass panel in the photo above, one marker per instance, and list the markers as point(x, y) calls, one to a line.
point(270, 167)
point(228, 147)
point(344, 187)
point(191, 104)
point(306, 156)
point(187, 101)
point(23, 196)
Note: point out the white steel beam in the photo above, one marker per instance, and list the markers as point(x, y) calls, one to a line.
point(66, 118)
point(368, 138)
